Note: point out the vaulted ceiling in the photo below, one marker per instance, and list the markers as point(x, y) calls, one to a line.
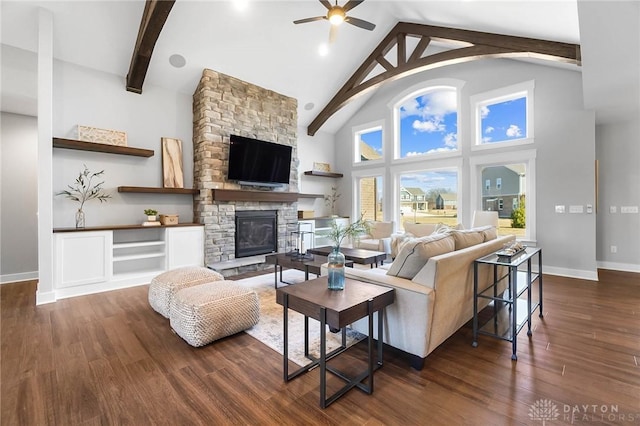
point(261, 45)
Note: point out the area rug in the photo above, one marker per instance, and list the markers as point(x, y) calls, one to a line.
point(269, 329)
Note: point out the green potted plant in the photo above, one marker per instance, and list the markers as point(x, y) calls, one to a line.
point(84, 190)
point(151, 214)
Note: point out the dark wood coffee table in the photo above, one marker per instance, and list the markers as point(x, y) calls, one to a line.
point(337, 309)
point(311, 265)
point(361, 256)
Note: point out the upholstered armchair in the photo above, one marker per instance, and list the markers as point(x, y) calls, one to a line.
point(379, 237)
point(484, 218)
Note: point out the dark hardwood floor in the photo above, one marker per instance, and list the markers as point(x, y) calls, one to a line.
point(110, 359)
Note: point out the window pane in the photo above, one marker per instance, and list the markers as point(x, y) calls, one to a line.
point(428, 123)
point(371, 198)
point(504, 121)
point(508, 199)
point(369, 145)
point(429, 197)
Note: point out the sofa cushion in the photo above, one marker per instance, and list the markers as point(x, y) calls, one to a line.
point(416, 252)
point(397, 241)
point(467, 237)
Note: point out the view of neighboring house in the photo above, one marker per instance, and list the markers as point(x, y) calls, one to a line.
point(501, 188)
point(412, 199)
point(446, 201)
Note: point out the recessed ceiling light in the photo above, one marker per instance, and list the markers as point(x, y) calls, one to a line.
point(177, 61)
point(241, 5)
point(309, 106)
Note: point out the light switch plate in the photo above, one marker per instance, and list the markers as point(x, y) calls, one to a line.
point(559, 209)
point(613, 209)
point(628, 209)
point(576, 209)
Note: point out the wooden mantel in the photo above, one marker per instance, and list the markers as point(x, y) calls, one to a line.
point(260, 196)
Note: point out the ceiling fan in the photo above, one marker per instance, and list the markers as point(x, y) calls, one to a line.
point(336, 15)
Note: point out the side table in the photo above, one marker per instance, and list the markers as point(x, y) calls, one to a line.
point(335, 309)
point(516, 298)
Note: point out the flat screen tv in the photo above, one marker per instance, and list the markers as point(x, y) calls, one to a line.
point(256, 162)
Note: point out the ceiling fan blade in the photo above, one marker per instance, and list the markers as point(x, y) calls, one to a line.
point(305, 20)
point(326, 4)
point(333, 31)
point(351, 4)
point(360, 23)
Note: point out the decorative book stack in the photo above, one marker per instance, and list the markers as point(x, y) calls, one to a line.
point(151, 223)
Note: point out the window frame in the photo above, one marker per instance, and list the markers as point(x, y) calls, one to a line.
point(415, 91)
point(526, 157)
point(356, 176)
point(446, 164)
point(525, 89)
point(364, 128)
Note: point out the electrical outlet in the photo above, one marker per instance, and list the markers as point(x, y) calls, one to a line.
point(613, 209)
point(614, 249)
point(576, 209)
point(589, 208)
point(559, 209)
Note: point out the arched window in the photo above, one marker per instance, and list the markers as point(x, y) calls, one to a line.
point(426, 121)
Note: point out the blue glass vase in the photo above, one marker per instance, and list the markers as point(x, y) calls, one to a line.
point(336, 269)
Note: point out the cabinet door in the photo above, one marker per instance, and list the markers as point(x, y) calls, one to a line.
point(185, 246)
point(82, 258)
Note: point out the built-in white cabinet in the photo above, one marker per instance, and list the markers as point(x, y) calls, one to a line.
point(92, 261)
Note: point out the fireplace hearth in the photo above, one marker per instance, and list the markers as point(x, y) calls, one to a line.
point(256, 232)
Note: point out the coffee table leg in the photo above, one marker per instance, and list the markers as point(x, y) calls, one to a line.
point(323, 357)
point(285, 322)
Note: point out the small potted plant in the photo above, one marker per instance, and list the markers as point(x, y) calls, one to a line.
point(151, 214)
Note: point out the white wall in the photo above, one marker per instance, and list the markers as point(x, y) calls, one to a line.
point(91, 98)
point(316, 149)
point(18, 197)
point(564, 140)
point(618, 153)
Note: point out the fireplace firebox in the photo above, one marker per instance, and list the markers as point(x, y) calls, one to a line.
point(256, 232)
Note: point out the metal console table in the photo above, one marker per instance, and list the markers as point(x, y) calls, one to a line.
point(516, 298)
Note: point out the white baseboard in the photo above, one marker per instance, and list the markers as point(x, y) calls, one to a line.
point(43, 298)
point(22, 276)
point(626, 267)
point(571, 273)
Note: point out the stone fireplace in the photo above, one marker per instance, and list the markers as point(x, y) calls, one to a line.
point(222, 106)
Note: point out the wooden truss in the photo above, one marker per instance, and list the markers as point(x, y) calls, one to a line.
point(475, 44)
point(154, 16)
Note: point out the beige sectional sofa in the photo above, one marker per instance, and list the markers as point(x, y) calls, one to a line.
point(436, 302)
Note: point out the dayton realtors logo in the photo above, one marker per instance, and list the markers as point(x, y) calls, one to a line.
point(546, 410)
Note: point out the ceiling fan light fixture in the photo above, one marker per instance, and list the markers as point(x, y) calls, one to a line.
point(336, 15)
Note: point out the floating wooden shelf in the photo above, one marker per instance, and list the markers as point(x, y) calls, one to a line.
point(264, 196)
point(310, 196)
point(100, 147)
point(121, 227)
point(323, 174)
point(151, 190)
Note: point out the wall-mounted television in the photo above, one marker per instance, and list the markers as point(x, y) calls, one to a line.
point(257, 162)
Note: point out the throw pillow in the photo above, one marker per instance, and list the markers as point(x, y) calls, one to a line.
point(443, 228)
point(397, 241)
point(415, 253)
point(467, 238)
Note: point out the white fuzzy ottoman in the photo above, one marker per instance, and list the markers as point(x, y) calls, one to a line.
point(208, 312)
point(165, 285)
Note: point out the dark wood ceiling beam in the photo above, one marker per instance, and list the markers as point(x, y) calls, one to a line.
point(420, 48)
point(154, 16)
point(484, 45)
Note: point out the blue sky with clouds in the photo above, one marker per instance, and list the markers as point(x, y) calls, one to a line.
point(504, 121)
